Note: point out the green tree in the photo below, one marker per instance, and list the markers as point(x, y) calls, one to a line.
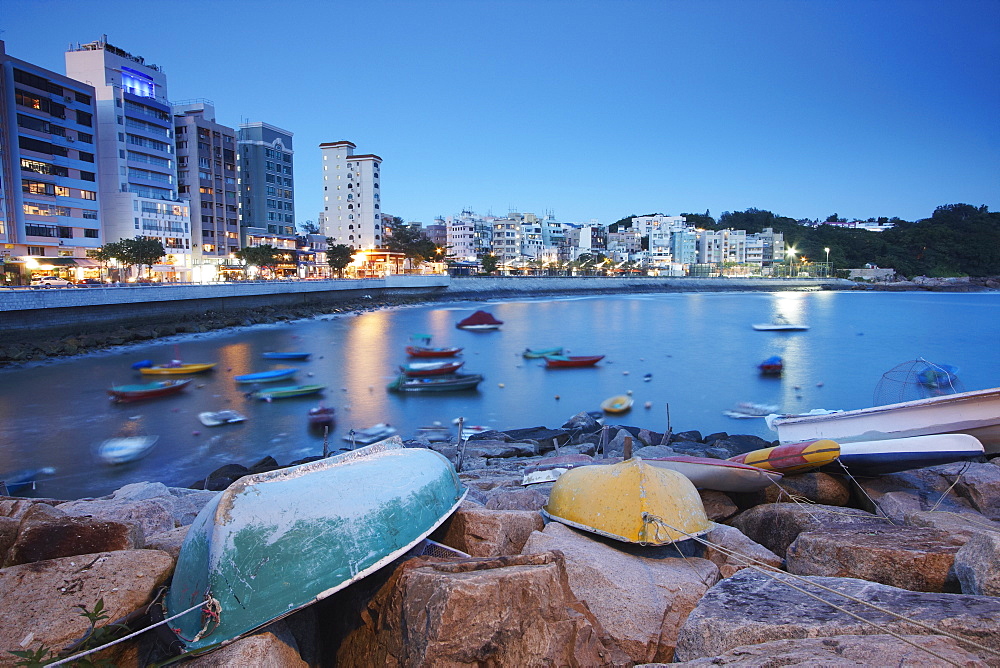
point(140, 251)
point(309, 227)
point(410, 241)
point(489, 262)
point(106, 253)
point(264, 256)
point(338, 256)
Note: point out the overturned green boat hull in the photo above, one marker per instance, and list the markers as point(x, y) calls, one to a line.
point(275, 542)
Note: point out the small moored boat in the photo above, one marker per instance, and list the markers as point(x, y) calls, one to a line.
point(534, 353)
point(480, 321)
point(140, 391)
point(275, 542)
point(793, 457)
point(902, 454)
point(571, 361)
point(285, 356)
point(417, 369)
point(621, 403)
point(630, 501)
point(421, 348)
point(321, 417)
point(125, 449)
point(216, 418)
point(780, 324)
point(434, 433)
point(23, 480)
point(265, 376)
point(373, 434)
point(772, 366)
point(176, 368)
point(287, 391)
point(453, 383)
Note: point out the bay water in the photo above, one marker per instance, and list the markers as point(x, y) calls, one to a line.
point(685, 357)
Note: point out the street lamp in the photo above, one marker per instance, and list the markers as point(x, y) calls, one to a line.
point(791, 260)
point(827, 261)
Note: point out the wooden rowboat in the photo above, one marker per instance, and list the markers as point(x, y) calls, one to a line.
point(566, 362)
point(125, 449)
point(285, 356)
point(452, 383)
point(140, 391)
point(217, 418)
point(287, 391)
point(418, 369)
point(265, 376)
point(618, 404)
point(321, 417)
point(425, 351)
point(718, 474)
point(179, 368)
point(541, 352)
point(631, 501)
point(793, 457)
point(772, 366)
point(275, 542)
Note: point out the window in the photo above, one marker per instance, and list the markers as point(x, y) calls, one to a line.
point(88, 194)
point(88, 233)
point(40, 230)
point(37, 188)
point(87, 176)
point(84, 118)
point(86, 157)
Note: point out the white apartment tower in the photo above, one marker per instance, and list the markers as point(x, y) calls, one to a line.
point(351, 199)
point(135, 150)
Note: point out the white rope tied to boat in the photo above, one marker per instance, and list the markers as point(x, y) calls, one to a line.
point(771, 572)
point(68, 659)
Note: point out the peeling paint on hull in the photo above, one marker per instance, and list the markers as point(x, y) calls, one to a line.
point(275, 542)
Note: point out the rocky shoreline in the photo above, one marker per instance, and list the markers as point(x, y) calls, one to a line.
point(922, 545)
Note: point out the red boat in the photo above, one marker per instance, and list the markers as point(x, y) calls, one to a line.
point(423, 351)
point(772, 366)
point(139, 391)
point(480, 321)
point(564, 362)
point(321, 417)
point(418, 369)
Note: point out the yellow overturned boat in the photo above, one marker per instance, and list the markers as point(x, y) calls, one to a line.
point(631, 501)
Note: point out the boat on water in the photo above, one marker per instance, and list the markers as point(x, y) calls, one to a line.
point(417, 369)
point(772, 366)
point(571, 361)
point(23, 480)
point(793, 457)
point(265, 376)
point(373, 434)
point(124, 449)
point(452, 383)
point(718, 474)
point(285, 356)
point(140, 391)
point(421, 348)
point(976, 413)
point(480, 321)
point(321, 417)
point(749, 409)
point(275, 542)
point(287, 391)
point(631, 501)
point(176, 368)
point(217, 418)
point(434, 433)
point(621, 403)
point(535, 353)
point(780, 324)
point(866, 458)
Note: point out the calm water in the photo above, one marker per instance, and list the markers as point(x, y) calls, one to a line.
point(700, 349)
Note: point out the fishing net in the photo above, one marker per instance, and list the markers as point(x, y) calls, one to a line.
point(916, 379)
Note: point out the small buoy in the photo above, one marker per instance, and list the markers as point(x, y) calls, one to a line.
point(796, 387)
point(371, 388)
point(642, 359)
point(624, 373)
point(500, 385)
point(343, 389)
point(629, 393)
point(648, 404)
point(648, 377)
point(798, 396)
point(557, 397)
point(310, 374)
point(196, 433)
point(819, 384)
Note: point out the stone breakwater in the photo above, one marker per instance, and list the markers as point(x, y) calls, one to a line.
point(921, 545)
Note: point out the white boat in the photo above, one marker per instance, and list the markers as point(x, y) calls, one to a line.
point(216, 418)
point(902, 454)
point(975, 413)
point(718, 474)
point(780, 324)
point(125, 449)
point(372, 434)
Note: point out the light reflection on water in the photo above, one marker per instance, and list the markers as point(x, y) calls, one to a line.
point(699, 348)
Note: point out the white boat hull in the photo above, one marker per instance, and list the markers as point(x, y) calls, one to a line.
point(975, 413)
point(903, 454)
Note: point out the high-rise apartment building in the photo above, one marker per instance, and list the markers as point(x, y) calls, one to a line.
point(206, 173)
point(135, 151)
point(267, 180)
point(49, 207)
point(351, 197)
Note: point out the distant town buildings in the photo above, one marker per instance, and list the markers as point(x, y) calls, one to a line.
point(267, 186)
point(351, 197)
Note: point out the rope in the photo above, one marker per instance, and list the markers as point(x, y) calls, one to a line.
point(769, 571)
point(859, 486)
point(209, 602)
point(957, 478)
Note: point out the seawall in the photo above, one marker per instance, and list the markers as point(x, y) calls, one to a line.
point(60, 311)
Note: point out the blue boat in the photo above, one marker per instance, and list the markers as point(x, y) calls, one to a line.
point(265, 376)
point(275, 542)
point(286, 356)
point(23, 480)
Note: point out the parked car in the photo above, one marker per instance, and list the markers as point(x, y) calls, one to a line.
point(89, 282)
point(50, 281)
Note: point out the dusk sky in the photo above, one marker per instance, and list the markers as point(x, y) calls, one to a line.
point(588, 109)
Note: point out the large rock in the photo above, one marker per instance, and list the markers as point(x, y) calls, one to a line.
point(488, 533)
point(718, 506)
point(777, 525)
point(45, 533)
point(899, 505)
point(752, 608)
point(731, 551)
point(904, 557)
point(814, 486)
point(8, 534)
point(844, 651)
point(510, 611)
point(510, 498)
point(272, 647)
point(15, 507)
point(168, 541)
point(154, 515)
point(977, 565)
point(967, 484)
point(639, 594)
point(38, 601)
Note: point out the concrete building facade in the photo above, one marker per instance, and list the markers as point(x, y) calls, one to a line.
point(352, 197)
point(135, 151)
point(266, 180)
point(50, 211)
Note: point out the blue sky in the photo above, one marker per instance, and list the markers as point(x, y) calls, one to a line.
point(589, 109)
